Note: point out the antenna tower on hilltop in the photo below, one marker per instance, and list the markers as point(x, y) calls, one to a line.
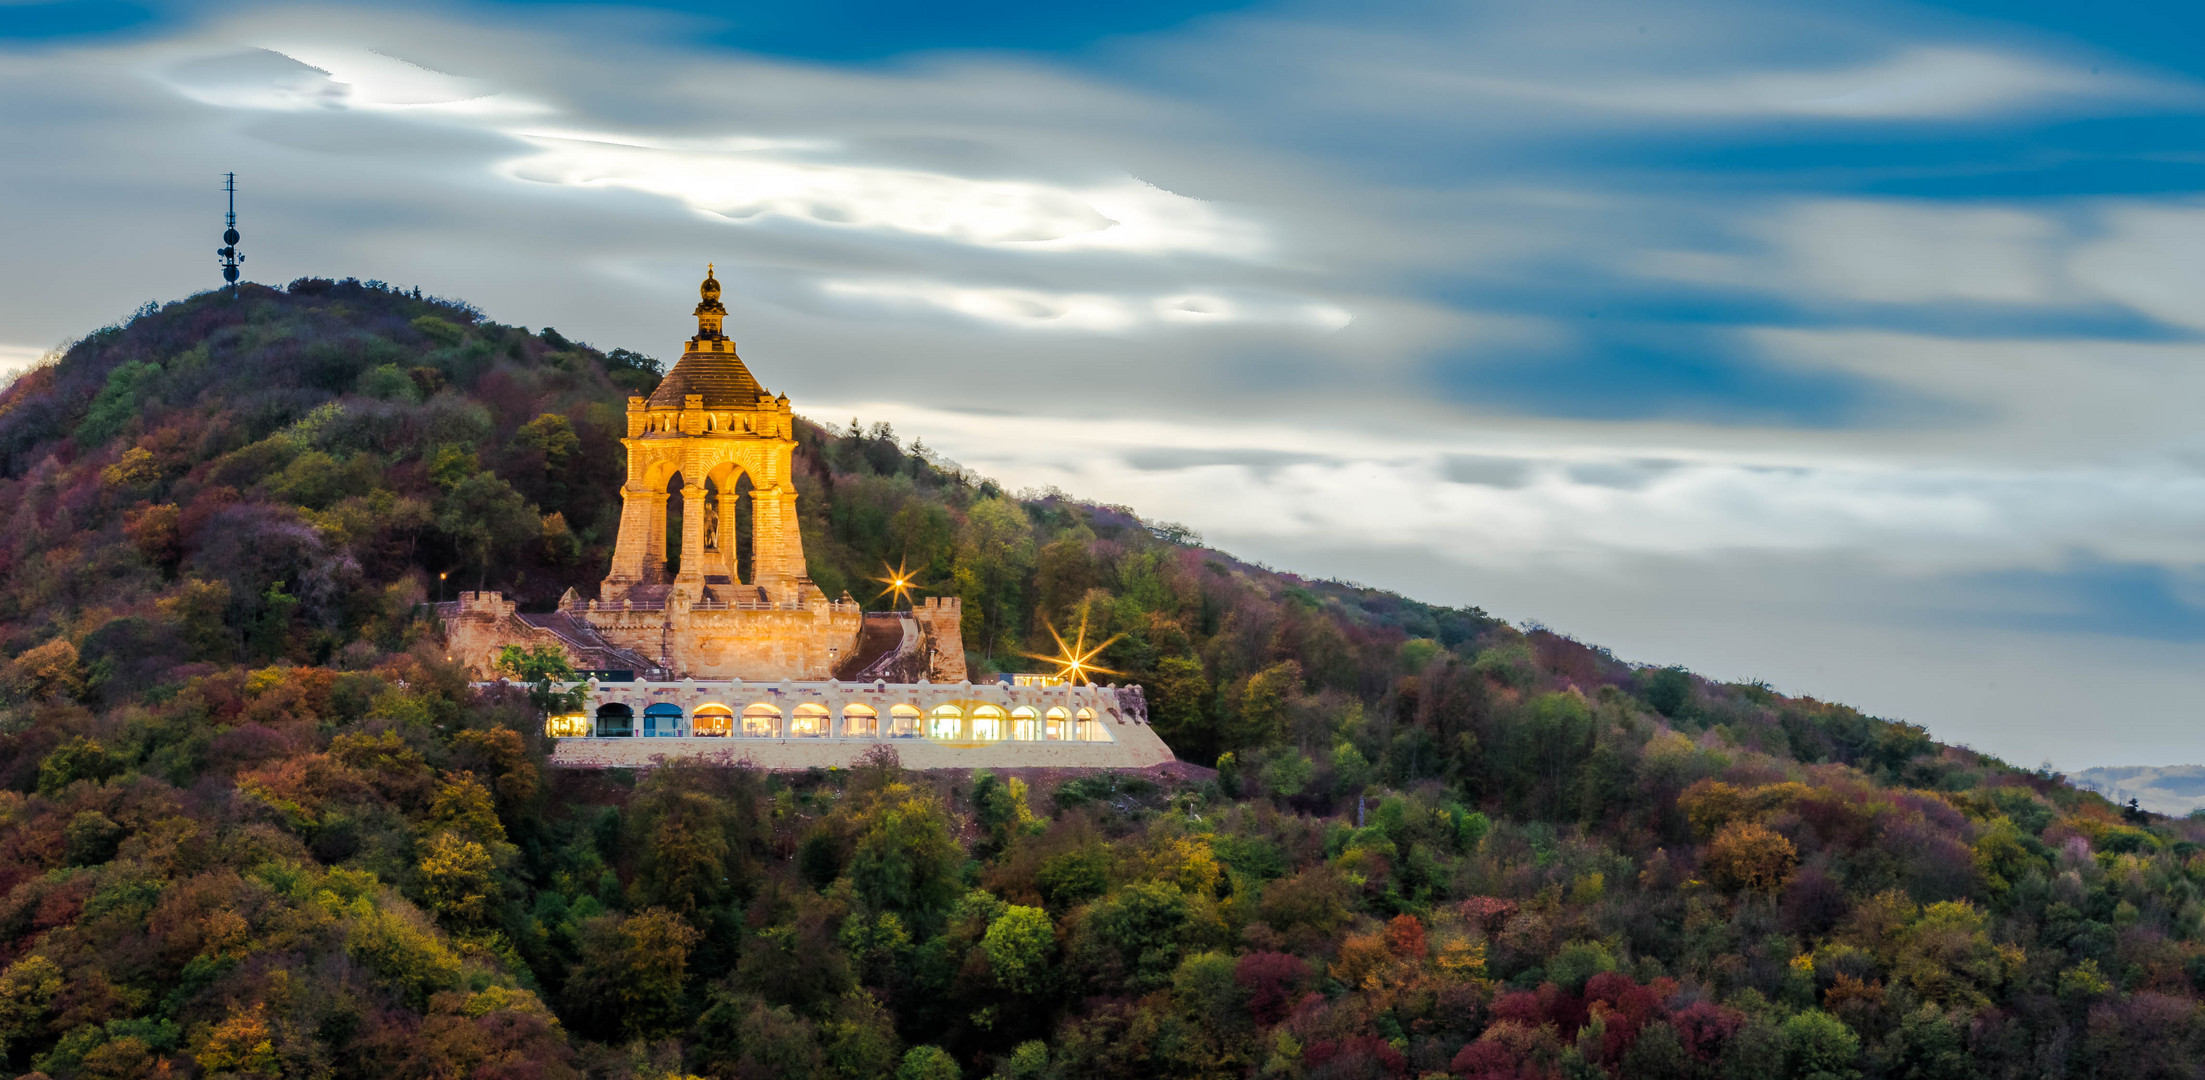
point(228, 250)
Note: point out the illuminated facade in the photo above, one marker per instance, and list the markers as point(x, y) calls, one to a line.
point(798, 725)
point(725, 647)
point(708, 578)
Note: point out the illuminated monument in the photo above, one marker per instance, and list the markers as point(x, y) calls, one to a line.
point(709, 631)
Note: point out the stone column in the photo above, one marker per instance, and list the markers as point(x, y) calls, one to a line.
point(777, 544)
point(766, 568)
point(632, 548)
point(654, 548)
point(692, 535)
point(728, 549)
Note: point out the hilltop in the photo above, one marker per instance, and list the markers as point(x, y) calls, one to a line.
point(254, 823)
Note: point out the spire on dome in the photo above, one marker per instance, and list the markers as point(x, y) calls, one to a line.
point(709, 310)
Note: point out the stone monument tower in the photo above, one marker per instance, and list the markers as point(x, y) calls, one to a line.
point(683, 601)
point(708, 427)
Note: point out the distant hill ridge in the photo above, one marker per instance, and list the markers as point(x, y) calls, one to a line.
point(2165, 789)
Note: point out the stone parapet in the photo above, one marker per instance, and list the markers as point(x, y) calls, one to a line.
point(798, 754)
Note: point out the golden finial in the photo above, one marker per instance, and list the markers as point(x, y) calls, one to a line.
point(710, 311)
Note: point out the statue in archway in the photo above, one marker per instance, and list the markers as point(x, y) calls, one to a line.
point(711, 518)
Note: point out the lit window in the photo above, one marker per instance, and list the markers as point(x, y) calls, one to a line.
point(713, 720)
point(947, 722)
point(809, 720)
point(1025, 724)
point(761, 721)
point(987, 723)
point(859, 721)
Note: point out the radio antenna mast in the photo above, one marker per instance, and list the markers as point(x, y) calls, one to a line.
point(228, 250)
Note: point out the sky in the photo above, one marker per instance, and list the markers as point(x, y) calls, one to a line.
point(1853, 348)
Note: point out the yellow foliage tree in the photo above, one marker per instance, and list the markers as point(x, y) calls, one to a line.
point(1745, 855)
point(456, 878)
point(243, 1043)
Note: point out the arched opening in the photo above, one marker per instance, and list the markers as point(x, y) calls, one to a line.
point(903, 721)
point(1086, 728)
point(945, 722)
point(987, 723)
point(860, 721)
point(761, 721)
point(713, 720)
point(739, 522)
point(674, 553)
point(662, 721)
point(1025, 724)
point(615, 721)
point(809, 720)
point(567, 725)
point(1059, 724)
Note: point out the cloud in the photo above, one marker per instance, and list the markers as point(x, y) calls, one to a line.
point(1919, 83)
point(1882, 252)
point(1090, 312)
point(2151, 258)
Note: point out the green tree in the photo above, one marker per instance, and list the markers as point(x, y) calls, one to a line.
point(486, 519)
point(689, 839)
point(928, 1063)
point(994, 551)
point(632, 978)
point(1132, 936)
point(861, 1039)
point(1018, 944)
point(1179, 707)
point(117, 403)
point(905, 859)
point(1818, 1046)
point(1264, 698)
point(27, 991)
point(81, 758)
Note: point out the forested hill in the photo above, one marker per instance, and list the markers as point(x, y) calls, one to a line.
point(253, 825)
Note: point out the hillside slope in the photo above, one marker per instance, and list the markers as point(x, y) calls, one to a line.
point(252, 824)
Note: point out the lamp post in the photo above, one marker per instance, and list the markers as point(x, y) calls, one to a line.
point(441, 575)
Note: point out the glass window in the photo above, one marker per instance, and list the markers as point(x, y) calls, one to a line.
point(903, 721)
point(987, 723)
point(947, 722)
point(662, 721)
point(1058, 724)
point(567, 725)
point(809, 720)
point(761, 721)
point(860, 721)
point(1025, 723)
point(713, 721)
point(615, 721)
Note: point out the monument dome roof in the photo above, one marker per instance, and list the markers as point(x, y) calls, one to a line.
point(719, 376)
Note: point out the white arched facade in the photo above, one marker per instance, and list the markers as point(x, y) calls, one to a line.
point(791, 724)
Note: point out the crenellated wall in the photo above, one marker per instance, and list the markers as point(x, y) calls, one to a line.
point(942, 618)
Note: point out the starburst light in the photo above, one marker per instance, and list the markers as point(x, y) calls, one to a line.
point(1075, 660)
